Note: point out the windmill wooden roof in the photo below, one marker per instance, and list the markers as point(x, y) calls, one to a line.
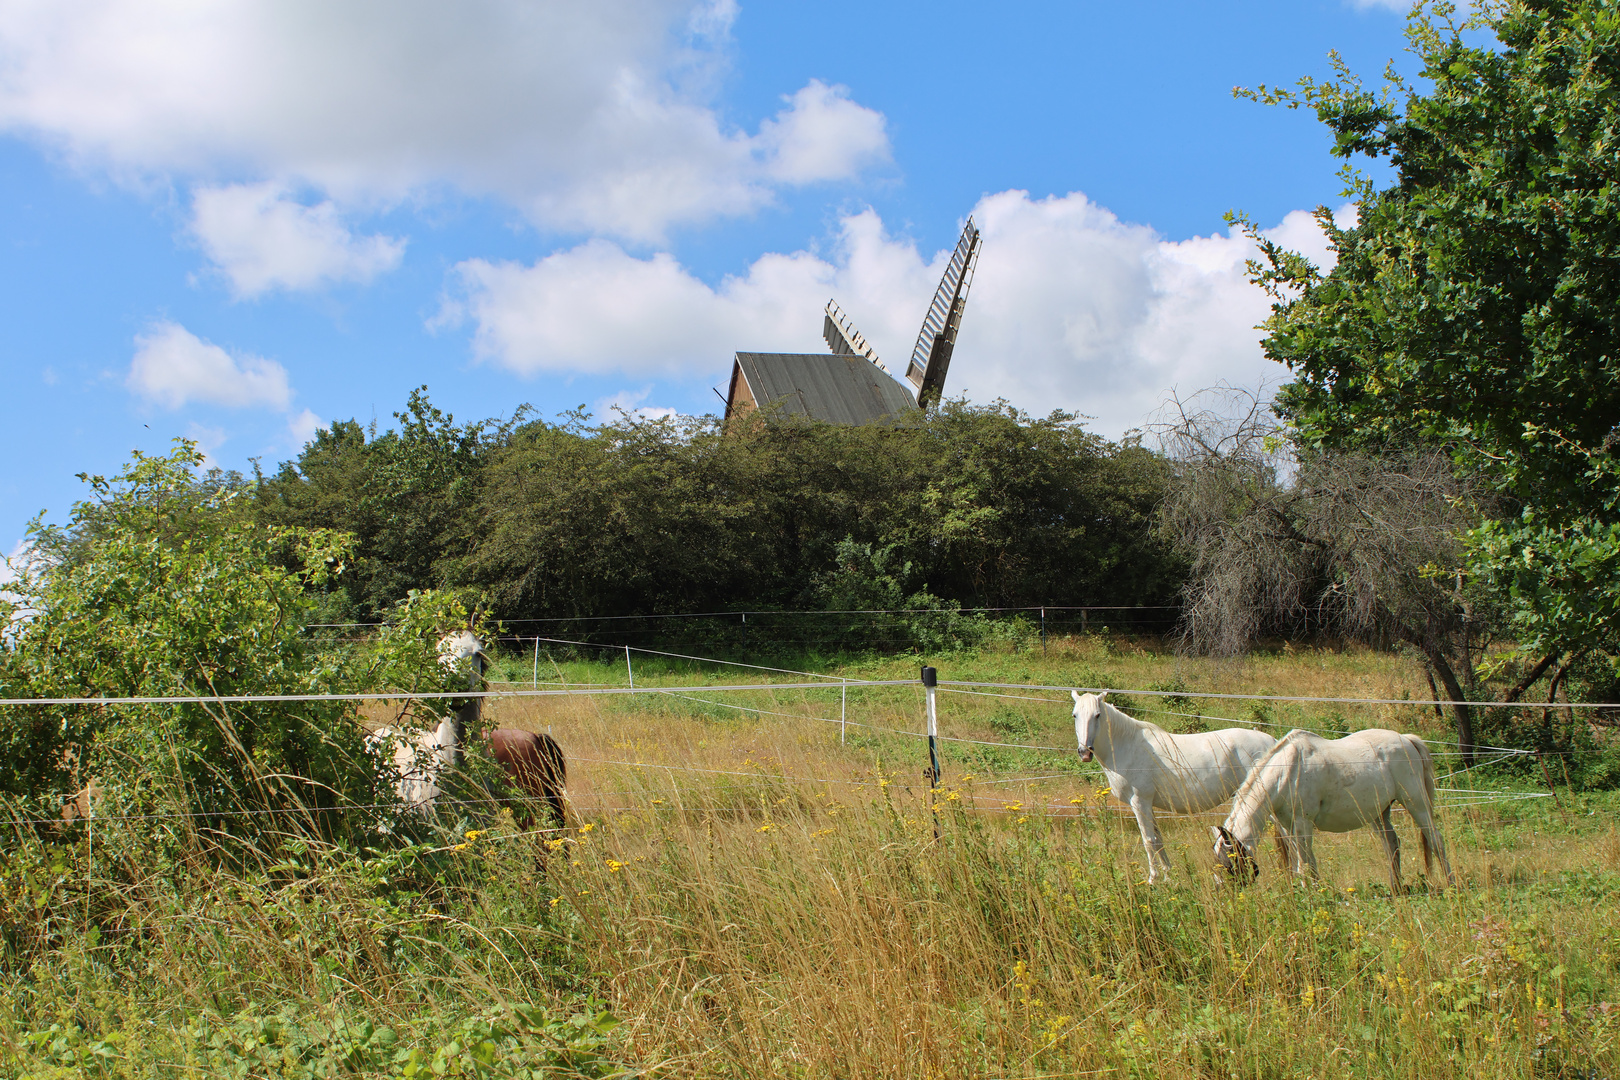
point(837, 389)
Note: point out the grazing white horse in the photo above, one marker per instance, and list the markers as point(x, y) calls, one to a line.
point(1336, 785)
point(1148, 768)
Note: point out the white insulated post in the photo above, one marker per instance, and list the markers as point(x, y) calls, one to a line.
point(628, 669)
point(930, 680)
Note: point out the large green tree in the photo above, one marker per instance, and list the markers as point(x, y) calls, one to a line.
point(1475, 303)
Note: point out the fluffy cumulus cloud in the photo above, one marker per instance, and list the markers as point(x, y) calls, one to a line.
point(591, 116)
point(261, 238)
point(173, 367)
point(1071, 308)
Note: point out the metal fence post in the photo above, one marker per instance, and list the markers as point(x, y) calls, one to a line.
point(930, 680)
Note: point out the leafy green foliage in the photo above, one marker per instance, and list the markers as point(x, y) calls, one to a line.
point(986, 506)
point(155, 588)
point(409, 497)
point(1474, 304)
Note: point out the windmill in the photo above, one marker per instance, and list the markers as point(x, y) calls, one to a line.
point(852, 386)
point(931, 356)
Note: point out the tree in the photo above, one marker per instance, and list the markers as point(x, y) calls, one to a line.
point(985, 505)
point(409, 497)
point(1475, 304)
point(1344, 541)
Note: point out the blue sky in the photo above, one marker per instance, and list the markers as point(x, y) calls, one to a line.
point(238, 221)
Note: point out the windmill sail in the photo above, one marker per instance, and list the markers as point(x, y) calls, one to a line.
point(931, 358)
point(842, 337)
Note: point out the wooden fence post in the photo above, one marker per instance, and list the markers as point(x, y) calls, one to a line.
point(843, 709)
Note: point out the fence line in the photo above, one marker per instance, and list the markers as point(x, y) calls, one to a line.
point(586, 689)
point(840, 611)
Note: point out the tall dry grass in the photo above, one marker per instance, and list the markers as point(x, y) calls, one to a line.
point(846, 940)
point(754, 896)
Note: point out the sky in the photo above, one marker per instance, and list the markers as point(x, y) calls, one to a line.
point(238, 222)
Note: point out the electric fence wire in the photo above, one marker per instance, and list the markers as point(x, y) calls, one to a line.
point(984, 689)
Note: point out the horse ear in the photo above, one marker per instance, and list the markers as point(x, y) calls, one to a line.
point(1076, 695)
point(1103, 696)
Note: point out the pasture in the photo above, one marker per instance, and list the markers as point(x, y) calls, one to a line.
point(760, 893)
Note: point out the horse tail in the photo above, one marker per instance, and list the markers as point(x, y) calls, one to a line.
point(1426, 762)
point(554, 776)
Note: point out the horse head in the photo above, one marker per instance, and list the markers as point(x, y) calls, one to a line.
point(1234, 856)
point(1087, 720)
point(460, 645)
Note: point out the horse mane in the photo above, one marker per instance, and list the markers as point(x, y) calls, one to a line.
point(1245, 794)
point(1110, 708)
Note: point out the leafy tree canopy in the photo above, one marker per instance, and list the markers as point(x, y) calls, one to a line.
point(1475, 304)
point(981, 504)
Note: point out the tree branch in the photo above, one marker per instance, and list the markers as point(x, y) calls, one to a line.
point(1537, 671)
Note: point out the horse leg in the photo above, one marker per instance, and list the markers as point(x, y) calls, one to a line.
point(1304, 850)
point(553, 778)
point(1151, 841)
point(1392, 849)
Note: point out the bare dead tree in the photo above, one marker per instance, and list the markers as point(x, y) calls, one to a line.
point(1283, 539)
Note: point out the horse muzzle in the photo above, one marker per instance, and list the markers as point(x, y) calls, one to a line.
point(1086, 754)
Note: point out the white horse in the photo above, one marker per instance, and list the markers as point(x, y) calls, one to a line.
point(1148, 768)
point(1336, 785)
point(418, 758)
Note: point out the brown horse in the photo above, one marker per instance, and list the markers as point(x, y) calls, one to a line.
point(536, 762)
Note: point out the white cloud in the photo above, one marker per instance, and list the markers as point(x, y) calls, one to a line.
point(823, 135)
point(1071, 308)
point(172, 367)
point(261, 239)
point(593, 116)
point(630, 403)
point(301, 428)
